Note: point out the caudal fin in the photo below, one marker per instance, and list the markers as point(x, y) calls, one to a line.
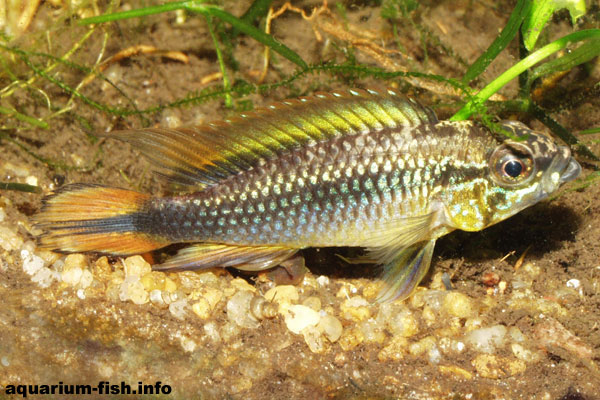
point(83, 217)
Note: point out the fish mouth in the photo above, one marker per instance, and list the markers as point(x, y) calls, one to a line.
point(571, 171)
point(564, 168)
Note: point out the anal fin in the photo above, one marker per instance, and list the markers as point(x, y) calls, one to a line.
point(211, 255)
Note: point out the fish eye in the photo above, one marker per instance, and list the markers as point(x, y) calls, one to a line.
point(511, 165)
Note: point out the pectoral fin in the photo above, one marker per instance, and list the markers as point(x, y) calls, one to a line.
point(405, 269)
point(207, 255)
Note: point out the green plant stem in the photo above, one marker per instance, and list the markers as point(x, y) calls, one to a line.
point(226, 84)
point(209, 10)
point(20, 187)
point(578, 56)
point(591, 131)
point(523, 76)
point(521, 66)
point(25, 118)
point(57, 60)
point(25, 56)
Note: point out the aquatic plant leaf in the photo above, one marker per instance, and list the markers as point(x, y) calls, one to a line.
point(20, 187)
point(580, 55)
point(541, 12)
point(520, 67)
point(511, 28)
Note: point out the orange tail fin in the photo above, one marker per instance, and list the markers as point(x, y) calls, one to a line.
point(82, 217)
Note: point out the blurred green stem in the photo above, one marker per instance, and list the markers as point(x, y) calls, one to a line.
point(25, 118)
point(226, 84)
point(20, 187)
point(520, 67)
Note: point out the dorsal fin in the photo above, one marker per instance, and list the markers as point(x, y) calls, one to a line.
point(196, 157)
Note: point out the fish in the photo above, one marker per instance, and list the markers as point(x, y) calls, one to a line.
point(357, 168)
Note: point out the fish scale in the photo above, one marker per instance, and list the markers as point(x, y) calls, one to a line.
point(327, 189)
point(349, 168)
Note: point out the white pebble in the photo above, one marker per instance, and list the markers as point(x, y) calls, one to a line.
point(487, 340)
point(323, 281)
point(114, 74)
point(230, 331)
point(331, 327)
point(44, 277)
point(156, 298)
point(524, 354)
point(136, 266)
point(212, 331)
point(77, 160)
point(9, 239)
point(450, 346)
point(300, 317)
point(398, 319)
point(169, 297)
point(356, 301)
point(434, 299)
point(72, 276)
point(314, 339)
point(187, 344)
point(372, 331)
point(132, 289)
point(573, 283)
point(29, 246)
point(170, 119)
point(81, 294)
point(238, 309)
point(179, 308)
point(5, 362)
point(31, 180)
point(124, 288)
point(434, 354)
point(58, 265)
point(424, 345)
point(2, 214)
point(31, 262)
point(137, 294)
point(86, 279)
point(516, 334)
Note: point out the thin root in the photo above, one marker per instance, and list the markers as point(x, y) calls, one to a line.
point(134, 51)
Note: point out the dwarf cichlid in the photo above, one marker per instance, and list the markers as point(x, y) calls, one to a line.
point(352, 168)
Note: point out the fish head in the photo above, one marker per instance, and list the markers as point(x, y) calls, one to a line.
point(508, 177)
point(525, 169)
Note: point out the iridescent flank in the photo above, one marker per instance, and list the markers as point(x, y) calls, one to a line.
point(348, 191)
point(355, 168)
